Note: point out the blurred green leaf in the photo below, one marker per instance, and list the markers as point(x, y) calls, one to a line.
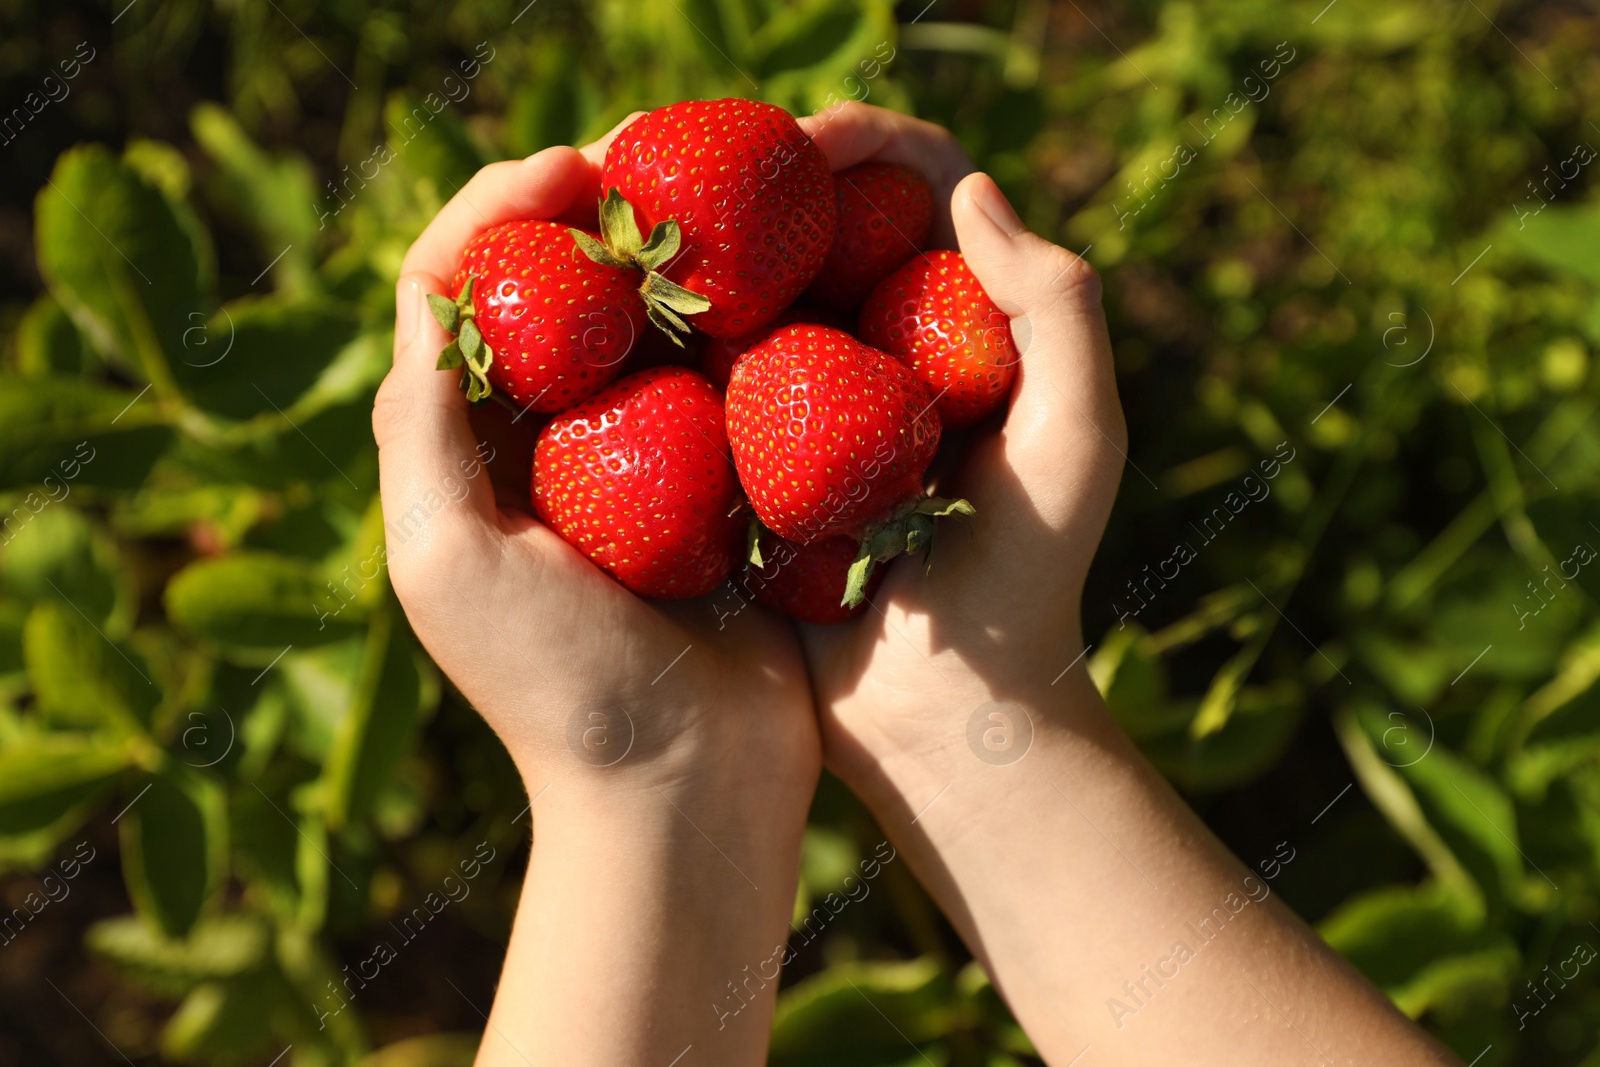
point(48, 344)
point(428, 142)
point(66, 433)
point(59, 556)
point(378, 724)
point(1475, 817)
point(320, 684)
point(1424, 946)
point(119, 260)
point(174, 847)
point(1256, 734)
point(218, 947)
point(254, 600)
point(864, 1013)
point(258, 355)
point(81, 677)
point(224, 1023)
point(1130, 676)
point(55, 778)
point(1563, 237)
point(276, 196)
point(433, 1050)
point(557, 103)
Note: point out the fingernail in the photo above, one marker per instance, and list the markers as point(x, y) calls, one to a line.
point(407, 311)
point(994, 204)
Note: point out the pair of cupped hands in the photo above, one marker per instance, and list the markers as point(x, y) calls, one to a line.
point(741, 708)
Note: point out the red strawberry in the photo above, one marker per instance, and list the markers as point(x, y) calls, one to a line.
point(743, 188)
point(535, 318)
point(933, 315)
point(807, 582)
point(719, 354)
point(885, 213)
point(832, 437)
point(638, 480)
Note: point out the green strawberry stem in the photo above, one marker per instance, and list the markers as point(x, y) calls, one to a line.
point(622, 246)
point(908, 531)
point(469, 349)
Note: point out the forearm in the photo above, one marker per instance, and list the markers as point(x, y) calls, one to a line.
point(644, 927)
point(1110, 917)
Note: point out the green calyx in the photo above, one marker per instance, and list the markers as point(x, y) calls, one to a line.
point(469, 349)
point(907, 532)
point(623, 246)
point(753, 543)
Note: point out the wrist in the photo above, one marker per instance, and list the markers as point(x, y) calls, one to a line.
point(632, 763)
point(967, 745)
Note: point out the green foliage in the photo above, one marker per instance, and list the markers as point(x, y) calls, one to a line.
point(1347, 261)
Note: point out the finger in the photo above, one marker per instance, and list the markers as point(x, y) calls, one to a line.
point(595, 152)
point(430, 469)
point(585, 212)
point(543, 186)
point(852, 133)
point(1065, 402)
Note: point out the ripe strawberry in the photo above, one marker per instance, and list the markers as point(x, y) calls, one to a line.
point(933, 315)
point(747, 193)
point(638, 479)
point(885, 213)
point(719, 354)
point(536, 319)
point(807, 582)
point(832, 437)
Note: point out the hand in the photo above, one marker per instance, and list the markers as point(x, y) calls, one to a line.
point(670, 752)
point(531, 631)
point(1067, 864)
point(852, 133)
point(997, 616)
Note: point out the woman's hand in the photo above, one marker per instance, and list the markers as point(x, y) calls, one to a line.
point(670, 751)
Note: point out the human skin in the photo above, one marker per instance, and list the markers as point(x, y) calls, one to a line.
point(1070, 870)
point(657, 880)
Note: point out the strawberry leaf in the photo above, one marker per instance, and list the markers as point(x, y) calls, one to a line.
point(753, 543)
point(469, 348)
point(667, 322)
point(620, 245)
point(447, 311)
point(596, 251)
point(910, 531)
point(670, 294)
point(855, 583)
point(618, 226)
point(471, 341)
point(664, 242)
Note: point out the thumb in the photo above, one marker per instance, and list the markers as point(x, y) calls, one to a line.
point(1065, 405)
point(428, 457)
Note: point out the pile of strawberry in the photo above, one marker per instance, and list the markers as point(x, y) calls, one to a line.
point(818, 356)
